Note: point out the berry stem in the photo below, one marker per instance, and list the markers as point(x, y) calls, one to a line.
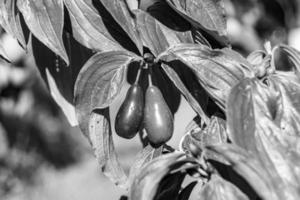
point(138, 75)
point(149, 75)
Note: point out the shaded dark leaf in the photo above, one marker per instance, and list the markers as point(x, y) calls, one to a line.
point(170, 186)
point(121, 13)
point(99, 82)
point(179, 84)
point(161, 11)
point(88, 26)
point(45, 19)
point(156, 36)
point(186, 192)
point(59, 77)
point(10, 20)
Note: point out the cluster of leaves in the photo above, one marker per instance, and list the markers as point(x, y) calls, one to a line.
point(87, 49)
point(252, 154)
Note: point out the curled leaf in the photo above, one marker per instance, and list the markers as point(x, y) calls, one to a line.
point(99, 82)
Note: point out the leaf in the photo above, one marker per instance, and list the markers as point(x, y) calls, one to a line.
point(176, 80)
point(45, 19)
point(10, 20)
point(288, 112)
point(100, 136)
point(162, 12)
point(150, 178)
point(99, 82)
point(59, 77)
point(146, 182)
point(217, 70)
point(249, 168)
point(121, 13)
point(88, 27)
point(204, 14)
point(186, 192)
point(219, 189)
point(170, 186)
point(146, 155)
point(156, 36)
point(260, 136)
point(286, 58)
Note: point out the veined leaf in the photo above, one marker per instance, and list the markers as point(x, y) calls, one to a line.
point(99, 82)
point(217, 70)
point(100, 136)
point(205, 14)
point(10, 20)
point(156, 36)
point(88, 26)
point(121, 13)
point(45, 19)
point(219, 189)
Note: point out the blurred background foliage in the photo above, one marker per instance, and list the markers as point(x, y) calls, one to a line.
point(43, 157)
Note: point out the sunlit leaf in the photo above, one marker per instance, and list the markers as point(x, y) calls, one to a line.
point(10, 20)
point(45, 19)
point(205, 14)
point(259, 135)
